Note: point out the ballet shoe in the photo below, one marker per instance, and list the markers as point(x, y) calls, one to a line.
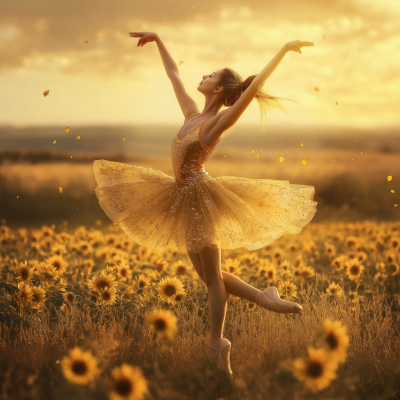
point(271, 300)
point(224, 358)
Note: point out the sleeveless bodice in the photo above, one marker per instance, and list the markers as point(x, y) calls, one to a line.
point(189, 155)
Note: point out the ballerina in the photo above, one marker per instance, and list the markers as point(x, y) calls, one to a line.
point(198, 214)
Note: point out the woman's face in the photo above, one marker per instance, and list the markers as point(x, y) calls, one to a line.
point(209, 82)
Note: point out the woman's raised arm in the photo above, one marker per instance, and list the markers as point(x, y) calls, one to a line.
point(168, 61)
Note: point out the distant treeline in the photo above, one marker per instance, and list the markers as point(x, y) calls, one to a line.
point(36, 157)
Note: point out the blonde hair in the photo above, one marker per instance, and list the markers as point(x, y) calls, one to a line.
point(234, 86)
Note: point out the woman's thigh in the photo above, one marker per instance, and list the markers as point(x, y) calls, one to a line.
point(211, 264)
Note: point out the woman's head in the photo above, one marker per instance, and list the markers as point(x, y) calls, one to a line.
point(227, 85)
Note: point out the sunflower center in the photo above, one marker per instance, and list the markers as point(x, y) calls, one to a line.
point(141, 284)
point(354, 270)
point(36, 297)
point(70, 298)
point(332, 341)
point(57, 265)
point(123, 387)
point(79, 367)
point(170, 290)
point(106, 295)
point(270, 274)
point(178, 297)
point(123, 272)
point(24, 274)
point(84, 247)
point(314, 369)
point(160, 324)
point(181, 270)
point(102, 284)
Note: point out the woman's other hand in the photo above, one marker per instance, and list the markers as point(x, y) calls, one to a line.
point(295, 45)
point(144, 37)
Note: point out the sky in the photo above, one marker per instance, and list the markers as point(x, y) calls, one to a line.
point(109, 80)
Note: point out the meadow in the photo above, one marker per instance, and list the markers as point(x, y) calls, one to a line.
point(86, 313)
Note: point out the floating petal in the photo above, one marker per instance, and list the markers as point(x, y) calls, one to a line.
point(46, 92)
point(67, 130)
point(281, 159)
point(60, 189)
point(389, 178)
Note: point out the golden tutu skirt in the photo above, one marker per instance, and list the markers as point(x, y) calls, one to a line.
point(226, 212)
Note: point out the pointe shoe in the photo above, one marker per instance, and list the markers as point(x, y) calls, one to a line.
point(271, 300)
point(224, 358)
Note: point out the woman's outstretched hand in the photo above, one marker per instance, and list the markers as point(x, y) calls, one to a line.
point(295, 45)
point(144, 37)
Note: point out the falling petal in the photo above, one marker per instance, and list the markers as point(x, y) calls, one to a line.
point(305, 157)
point(316, 89)
point(392, 191)
point(281, 159)
point(100, 34)
point(337, 103)
point(362, 153)
point(123, 139)
point(395, 205)
point(60, 189)
point(287, 151)
point(252, 152)
point(301, 144)
point(303, 161)
point(269, 169)
point(46, 92)
point(258, 156)
point(66, 130)
point(55, 142)
point(261, 149)
point(389, 178)
point(78, 137)
point(17, 197)
point(180, 63)
point(86, 40)
point(324, 36)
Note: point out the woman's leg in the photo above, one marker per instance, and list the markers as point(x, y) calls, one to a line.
point(233, 285)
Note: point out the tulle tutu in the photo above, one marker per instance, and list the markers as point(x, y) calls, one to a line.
point(226, 212)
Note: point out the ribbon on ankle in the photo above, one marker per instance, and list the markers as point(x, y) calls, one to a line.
point(214, 340)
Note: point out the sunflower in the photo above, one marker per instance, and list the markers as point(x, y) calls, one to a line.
point(380, 278)
point(335, 337)
point(287, 290)
point(380, 267)
point(306, 272)
point(88, 265)
point(270, 273)
point(293, 247)
point(339, 262)
point(390, 257)
point(58, 263)
point(168, 287)
point(395, 243)
point(163, 322)
point(317, 370)
point(69, 297)
point(47, 273)
point(23, 272)
point(124, 272)
point(144, 253)
point(393, 268)
point(24, 295)
point(277, 254)
point(80, 366)
point(101, 281)
point(180, 268)
point(108, 295)
point(179, 296)
point(250, 306)
point(231, 264)
point(330, 250)
point(85, 247)
point(129, 383)
point(160, 264)
point(39, 294)
point(143, 282)
point(334, 290)
point(354, 269)
point(351, 242)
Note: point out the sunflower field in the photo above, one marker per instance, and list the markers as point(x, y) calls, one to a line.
point(87, 313)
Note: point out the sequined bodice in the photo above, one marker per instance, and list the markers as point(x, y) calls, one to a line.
point(189, 155)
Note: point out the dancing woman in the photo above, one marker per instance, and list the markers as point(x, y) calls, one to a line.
point(198, 214)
